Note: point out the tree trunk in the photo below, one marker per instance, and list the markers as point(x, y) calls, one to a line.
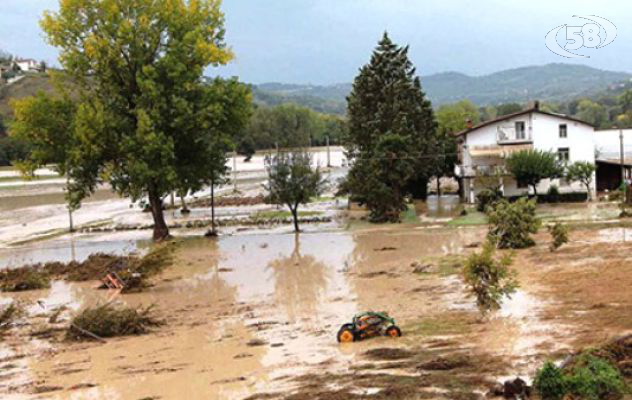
point(438, 186)
point(535, 192)
point(588, 193)
point(294, 211)
point(161, 231)
point(185, 208)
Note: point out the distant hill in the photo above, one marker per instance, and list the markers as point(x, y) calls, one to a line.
point(551, 82)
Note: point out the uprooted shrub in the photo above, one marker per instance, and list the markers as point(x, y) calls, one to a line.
point(559, 233)
point(588, 377)
point(489, 278)
point(511, 224)
point(488, 197)
point(25, 278)
point(111, 320)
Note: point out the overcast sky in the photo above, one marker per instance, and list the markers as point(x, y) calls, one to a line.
point(326, 41)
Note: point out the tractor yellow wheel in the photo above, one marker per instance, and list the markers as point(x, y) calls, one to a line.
point(345, 336)
point(393, 331)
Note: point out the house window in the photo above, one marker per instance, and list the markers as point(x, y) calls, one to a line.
point(563, 154)
point(521, 184)
point(563, 131)
point(520, 131)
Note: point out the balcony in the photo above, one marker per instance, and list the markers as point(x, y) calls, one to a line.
point(510, 135)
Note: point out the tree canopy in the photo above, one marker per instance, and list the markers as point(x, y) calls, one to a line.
point(532, 166)
point(145, 120)
point(292, 181)
point(583, 172)
point(391, 139)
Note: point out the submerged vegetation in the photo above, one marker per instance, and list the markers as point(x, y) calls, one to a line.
point(8, 315)
point(134, 271)
point(110, 320)
point(559, 233)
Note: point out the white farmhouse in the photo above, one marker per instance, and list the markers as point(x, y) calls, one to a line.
point(483, 149)
point(26, 65)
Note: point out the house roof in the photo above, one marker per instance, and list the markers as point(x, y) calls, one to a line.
point(612, 161)
point(534, 109)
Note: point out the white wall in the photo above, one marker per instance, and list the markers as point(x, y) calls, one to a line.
point(608, 146)
point(544, 131)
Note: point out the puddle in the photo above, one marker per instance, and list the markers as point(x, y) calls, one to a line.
point(614, 235)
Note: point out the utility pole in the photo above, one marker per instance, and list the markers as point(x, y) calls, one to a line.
point(328, 153)
point(72, 227)
point(235, 172)
point(213, 206)
point(625, 188)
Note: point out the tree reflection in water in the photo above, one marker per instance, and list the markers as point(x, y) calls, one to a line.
point(299, 282)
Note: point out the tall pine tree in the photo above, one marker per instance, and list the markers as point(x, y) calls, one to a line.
point(391, 140)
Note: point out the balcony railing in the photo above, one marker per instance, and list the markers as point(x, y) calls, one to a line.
point(509, 134)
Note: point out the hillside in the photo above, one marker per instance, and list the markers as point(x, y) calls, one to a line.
point(551, 82)
point(27, 86)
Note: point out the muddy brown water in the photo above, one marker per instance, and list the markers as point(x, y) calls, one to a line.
point(248, 313)
point(290, 292)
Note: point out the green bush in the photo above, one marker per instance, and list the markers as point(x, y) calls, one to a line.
point(594, 378)
point(559, 232)
point(588, 378)
point(553, 194)
point(487, 197)
point(550, 382)
point(511, 224)
point(489, 278)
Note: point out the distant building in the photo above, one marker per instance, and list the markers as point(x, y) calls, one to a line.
point(27, 65)
point(484, 148)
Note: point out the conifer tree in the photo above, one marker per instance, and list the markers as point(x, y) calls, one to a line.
point(391, 139)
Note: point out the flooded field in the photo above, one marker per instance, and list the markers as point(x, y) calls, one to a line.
point(256, 313)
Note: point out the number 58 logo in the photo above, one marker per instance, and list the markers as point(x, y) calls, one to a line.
point(596, 34)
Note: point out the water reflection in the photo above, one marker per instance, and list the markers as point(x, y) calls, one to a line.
point(299, 282)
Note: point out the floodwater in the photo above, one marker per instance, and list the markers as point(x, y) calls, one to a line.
point(289, 292)
point(74, 247)
point(250, 312)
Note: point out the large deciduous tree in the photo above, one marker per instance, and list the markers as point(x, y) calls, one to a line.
point(145, 119)
point(387, 110)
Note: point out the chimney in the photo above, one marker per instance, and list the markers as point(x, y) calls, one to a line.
point(468, 123)
point(536, 105)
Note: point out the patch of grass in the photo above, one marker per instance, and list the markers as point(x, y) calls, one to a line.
point(409, 216)
point(25, 278)
point(471, 218)
point(450, 324)
point(450, 264)
point(109, 320)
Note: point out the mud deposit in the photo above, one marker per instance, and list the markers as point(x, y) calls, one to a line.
point(255, 316)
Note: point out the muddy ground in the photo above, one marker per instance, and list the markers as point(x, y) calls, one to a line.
point(254, 315)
